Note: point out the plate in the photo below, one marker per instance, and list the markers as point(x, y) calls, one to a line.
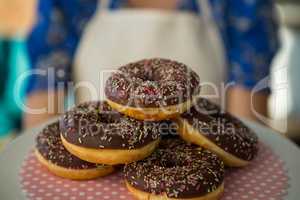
point(12, 158)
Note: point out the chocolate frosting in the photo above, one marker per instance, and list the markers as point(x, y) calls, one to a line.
point(223, 129)
point(49, 145)
point(178, 169)
point(96, 125)
point(152, 83)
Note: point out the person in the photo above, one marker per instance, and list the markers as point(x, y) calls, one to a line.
point(285, 99)
point(224, 41)
point(14, 26)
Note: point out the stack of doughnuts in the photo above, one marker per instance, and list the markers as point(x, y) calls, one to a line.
point(146, 100)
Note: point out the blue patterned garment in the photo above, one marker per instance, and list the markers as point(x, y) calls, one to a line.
point(248, 29)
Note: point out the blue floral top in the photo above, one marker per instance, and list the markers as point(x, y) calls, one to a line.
point(248, 29)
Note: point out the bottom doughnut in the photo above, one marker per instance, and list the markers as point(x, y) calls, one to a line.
point(141, 195)
point(152, 114)
point(110, 156)
point(189, 134)
point(75, 174)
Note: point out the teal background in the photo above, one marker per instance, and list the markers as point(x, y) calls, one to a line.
point(14, 62)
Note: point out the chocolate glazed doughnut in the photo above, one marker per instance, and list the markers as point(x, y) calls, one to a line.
point(53, 155)
point(176, 170)
point(205, 125)
point(94, 132)
point(152, 89)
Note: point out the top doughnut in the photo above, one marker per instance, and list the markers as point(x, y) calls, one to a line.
point(152, 89)
point(152, 83)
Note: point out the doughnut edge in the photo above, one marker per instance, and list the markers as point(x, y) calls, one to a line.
point(141, 195)
point(189, 134)
point(153, 114)
point(74, 174)
point(110, 156)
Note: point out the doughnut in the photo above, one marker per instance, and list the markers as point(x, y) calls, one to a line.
point(95, 133)
point(206, 125)
point(52, 154)
point(152, 89)
point(176, 170)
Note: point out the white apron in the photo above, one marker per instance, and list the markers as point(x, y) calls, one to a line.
point(115, 38)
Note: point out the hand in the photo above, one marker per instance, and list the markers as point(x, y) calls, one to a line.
point(50, 101)
point(239, 103)
point(16, 17)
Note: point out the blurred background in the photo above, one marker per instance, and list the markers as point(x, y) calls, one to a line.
point(285, 101)
point(18, 18)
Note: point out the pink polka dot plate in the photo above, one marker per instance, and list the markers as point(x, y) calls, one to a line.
point(273, 175)
point(265, 178)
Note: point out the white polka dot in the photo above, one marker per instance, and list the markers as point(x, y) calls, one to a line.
point(235, 193)
point(42, 182)
point(26, 183)
point(50, 186)
point(81, 193)
point(263, 184)
point(31, 194)
point(251, 192)
point(65, 193)
point(33, 186)
point(41, 190)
